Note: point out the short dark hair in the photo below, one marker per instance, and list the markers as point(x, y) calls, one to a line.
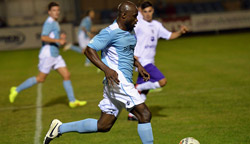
point(52, 4)
point(146, 4)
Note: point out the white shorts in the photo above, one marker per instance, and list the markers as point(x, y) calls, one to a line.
point(82, 40)
point(119, 96)
point(48, 63)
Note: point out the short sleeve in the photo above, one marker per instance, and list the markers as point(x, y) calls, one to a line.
point(47, 28)
point(137, 29)
point(85, 23)
point(139, 35)
point(163, 32)
point(101, 40)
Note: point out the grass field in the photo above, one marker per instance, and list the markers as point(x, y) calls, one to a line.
point(207, 95)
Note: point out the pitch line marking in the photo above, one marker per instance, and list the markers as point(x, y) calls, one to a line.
point(38, 131)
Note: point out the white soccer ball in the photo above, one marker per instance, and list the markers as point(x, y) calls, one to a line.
point(189, 140)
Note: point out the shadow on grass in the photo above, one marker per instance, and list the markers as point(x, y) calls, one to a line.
point(155, 110)
point(58, 100)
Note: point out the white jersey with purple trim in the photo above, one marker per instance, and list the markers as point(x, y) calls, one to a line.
point(147, 34)
point(139, 16)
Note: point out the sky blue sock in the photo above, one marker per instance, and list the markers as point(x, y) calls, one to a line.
point(145, 133)
point(76, 49)
point(87, 61)
point(69, 90)
point(26, 84)
point(84, 126)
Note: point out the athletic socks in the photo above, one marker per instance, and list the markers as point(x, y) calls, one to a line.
point(145, 133)
point(76, 49)
point(83, 126)
point(87, 61)
point(79, 50)
point(26, 84)
point(69, 90)
point(148, 85)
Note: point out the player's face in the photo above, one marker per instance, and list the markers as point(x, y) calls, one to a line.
point(92, 14)
point(147, 13)
point(54, 12)
point(131, 20)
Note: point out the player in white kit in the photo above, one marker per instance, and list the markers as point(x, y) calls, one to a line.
point(148, 31)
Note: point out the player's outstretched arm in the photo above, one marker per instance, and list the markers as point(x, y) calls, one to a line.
point(141, 70)
point(183, 30)
point(110, 74)
point(62, 41)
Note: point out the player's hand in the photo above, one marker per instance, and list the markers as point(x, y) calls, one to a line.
point(183, 29)
point(144, 73)
point(63, 36)
point(90, 35)
point(62, 41)
point(111, 76)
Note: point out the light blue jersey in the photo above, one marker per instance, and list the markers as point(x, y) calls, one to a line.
point(117, 49)
point(85, 23)
point(51, 28)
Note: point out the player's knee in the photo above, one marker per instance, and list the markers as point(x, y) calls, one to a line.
point(163, 82)
point(66, 76)
point(145, 117)
point(104, 128)
point(40, 80)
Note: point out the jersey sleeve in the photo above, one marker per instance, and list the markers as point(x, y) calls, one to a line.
point(101, 40)
point(137, 29)
point(47, 28)
point(163, 32)
point(139, 34)
point(85, 24)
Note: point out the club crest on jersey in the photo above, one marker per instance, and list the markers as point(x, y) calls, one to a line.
point(91, 41)
point(128, 103)
point(129, 48)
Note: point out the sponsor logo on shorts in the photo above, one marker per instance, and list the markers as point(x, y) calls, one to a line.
point(128, 103)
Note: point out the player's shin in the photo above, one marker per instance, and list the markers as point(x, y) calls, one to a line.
point(83, 126)
point(69, 90)
point(145, 132)
point(26, 84)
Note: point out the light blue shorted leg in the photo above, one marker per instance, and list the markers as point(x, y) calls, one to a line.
point(26, 84)
point(145, 133)
point(76, 49)
point(69, 90)
point(84, 126)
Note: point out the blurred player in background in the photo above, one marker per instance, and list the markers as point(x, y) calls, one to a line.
point(148, 31)
point(85, 33)
point(49, 58)
point(117, 43)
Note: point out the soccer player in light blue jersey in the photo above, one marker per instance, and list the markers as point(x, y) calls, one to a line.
point(49, 58)
point(117, 43)
point(85, 33)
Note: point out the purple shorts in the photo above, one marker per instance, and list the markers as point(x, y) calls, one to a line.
point(155, 74)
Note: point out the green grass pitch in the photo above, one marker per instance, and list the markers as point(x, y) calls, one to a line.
point(207, 95)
